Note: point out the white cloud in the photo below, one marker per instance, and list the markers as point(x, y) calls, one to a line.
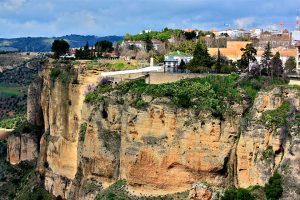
point(244, 22)
point(13, 5)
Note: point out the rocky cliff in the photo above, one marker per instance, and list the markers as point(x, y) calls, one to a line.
point(159, 149)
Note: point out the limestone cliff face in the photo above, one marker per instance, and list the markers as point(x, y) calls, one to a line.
point(22, 147)
point(158, 149)
point(34, 109)
point(25, 146)
point(254, 164)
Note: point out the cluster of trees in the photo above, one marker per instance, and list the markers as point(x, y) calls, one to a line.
point(61, 47)
point(167, 34)
point(163, 35)
point(100, 48)
point(270, 65)
point(202, 61)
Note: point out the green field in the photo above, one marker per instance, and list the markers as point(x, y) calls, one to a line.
point(11, 91)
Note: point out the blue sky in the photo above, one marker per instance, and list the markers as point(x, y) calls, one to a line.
point(20, 18)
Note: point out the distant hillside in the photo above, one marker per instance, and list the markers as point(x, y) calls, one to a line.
point(43, 44)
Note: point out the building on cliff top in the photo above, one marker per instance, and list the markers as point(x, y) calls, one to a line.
point(173, 60)
point(233, 51)
point(298, 56)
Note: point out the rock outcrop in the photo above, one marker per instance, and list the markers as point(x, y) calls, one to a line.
point(34, 108)
point(261, 150)
point(158, 149)
point(22, 147)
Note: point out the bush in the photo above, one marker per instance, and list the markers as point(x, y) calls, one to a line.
point(54, 73)
point(274, 188)
point(10, 122)
point(63, 72)
point(97, 94)
point(269, 153)
point(252, 85)
point(276, 118)
point(82, 131)
point(139, 103)
point(237, 194)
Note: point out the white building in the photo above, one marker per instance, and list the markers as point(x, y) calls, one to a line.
point(295, 36)
point(298, 56)
point(173, 60)
point(255, 32)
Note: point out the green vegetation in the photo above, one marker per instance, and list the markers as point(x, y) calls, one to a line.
point(19, 182)
point(114, 192)
point(103, 46)
point(276, 118)
point(211, 93)
point(201, 58)
point(186, 47)
point(96, 95)
point(139, 103)
point(248, 56)
point(94, 64)
point(237, 194)
point(82, 131)
point(254, 85)
point(118, 191)
point(274, 188)
point(10, 122)
point(290, 65)
point(56, 73)
point(26, 127)
point(8, 91)
point(269, 153)
point(59, 47)
point(163, 36)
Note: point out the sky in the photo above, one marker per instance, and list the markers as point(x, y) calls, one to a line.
point(22, 18)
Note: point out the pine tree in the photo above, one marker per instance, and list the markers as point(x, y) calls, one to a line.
point(290, 65)
point(276, 65)
point(218, 63)
point(248, 56)
point(201, 57)
point(149, 44)
point(266, 58)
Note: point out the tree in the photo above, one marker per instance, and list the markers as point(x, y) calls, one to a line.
point(266, 58)
point(104, 46)
point(190, 35)
point(201, 58)
point(274, 188)
point(276, 65)
point(248, 56)
point(149, 44)
point(59, 47)
point(182, 65)
point(186, 47)
point(290, 65)
point(218, 62)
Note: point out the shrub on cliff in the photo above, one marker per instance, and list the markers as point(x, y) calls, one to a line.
point(213, 93)
point(276, 118)
point(274, 188)
point(237, 194)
